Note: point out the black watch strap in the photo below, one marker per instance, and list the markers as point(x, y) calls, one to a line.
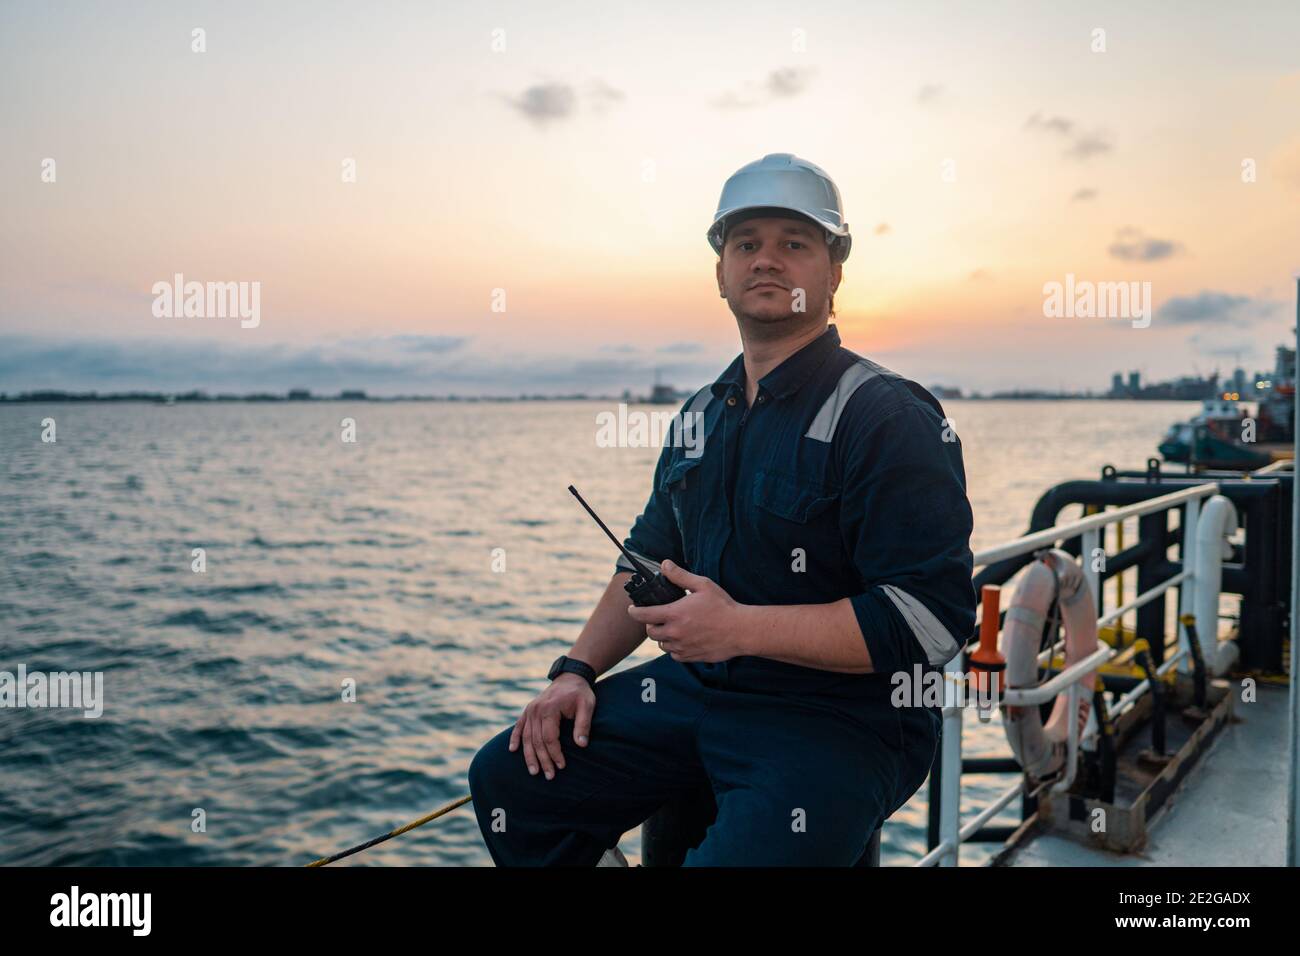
point(567, 665)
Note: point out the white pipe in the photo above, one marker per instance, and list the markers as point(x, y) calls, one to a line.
point(1217, 521)
point(1188, 554)
point(1088, 547)
point(950, 778)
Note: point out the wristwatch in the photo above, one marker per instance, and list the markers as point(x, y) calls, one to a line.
point(567, 665)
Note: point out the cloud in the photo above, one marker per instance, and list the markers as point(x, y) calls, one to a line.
point(546, 102)
point(883, 229)
point(1209, 307)
point(1084, 194)
point(980, 275)
point(790, 81)
point(1081, 145)
point(386, 365)
point(681, 348)
point(929, 93)
point(602, 96)
point(1089, 144)
point(1054, 124)
point(88, 364)
point(418, 343)
point(778, 84)
point(1131, 245)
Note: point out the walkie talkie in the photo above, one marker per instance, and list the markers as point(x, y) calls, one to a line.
point(646, 588)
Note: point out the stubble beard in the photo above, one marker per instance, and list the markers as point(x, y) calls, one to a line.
point(768, 327)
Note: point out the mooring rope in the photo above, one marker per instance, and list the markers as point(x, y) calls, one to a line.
point(398, 832)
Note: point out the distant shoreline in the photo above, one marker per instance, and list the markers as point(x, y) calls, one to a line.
point(169, 399)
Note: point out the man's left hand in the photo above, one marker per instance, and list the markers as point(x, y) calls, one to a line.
point(706, 626)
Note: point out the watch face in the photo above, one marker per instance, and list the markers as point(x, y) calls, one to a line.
point(555, 668)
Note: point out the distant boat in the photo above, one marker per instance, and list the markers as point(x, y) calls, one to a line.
point(663, 395)
point(1213, 439)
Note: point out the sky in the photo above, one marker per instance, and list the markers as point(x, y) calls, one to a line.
point(564, 160)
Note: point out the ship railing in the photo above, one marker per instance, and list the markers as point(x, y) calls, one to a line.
point(1278, 467)
point(1195, 592)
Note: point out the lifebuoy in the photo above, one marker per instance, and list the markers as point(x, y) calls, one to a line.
point(1041, 748)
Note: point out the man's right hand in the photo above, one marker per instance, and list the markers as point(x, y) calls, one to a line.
point(538, 727)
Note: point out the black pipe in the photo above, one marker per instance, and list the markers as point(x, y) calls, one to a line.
point(933, 800)
point(1157, 702)
point(989, 765)
point(1028, 804)
point(1106, 751)
point(992, 834)
point(1115, 683)
point(1120, 684)
point(1198, 661)
point(1151, 572)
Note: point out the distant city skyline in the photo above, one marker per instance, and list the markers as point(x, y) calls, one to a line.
point(391, 176)
point(268, 377)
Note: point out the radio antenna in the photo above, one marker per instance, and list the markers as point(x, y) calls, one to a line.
point(641, 568)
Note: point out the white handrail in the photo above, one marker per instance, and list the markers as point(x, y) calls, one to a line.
point(1059, 682)
point(992, 810)
point(951, 833)
point(1049, 536)
point(1146, 597)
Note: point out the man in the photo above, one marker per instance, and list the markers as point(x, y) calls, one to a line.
point(823, 537)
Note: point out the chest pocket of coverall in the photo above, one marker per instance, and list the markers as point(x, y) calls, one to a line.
point(796, 514)
point(800, 500)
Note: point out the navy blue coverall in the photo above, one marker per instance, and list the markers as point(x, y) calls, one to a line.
point(843, 479)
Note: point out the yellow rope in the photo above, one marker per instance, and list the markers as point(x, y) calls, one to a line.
point(398, 832)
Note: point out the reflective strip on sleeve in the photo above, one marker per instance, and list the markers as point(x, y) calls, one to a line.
point(939, 645)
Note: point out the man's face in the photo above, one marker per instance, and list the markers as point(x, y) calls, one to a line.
point(777, 275)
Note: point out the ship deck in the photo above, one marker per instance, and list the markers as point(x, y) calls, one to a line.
point(1229, 811)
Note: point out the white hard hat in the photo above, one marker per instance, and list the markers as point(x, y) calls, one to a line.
point(783, 181)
